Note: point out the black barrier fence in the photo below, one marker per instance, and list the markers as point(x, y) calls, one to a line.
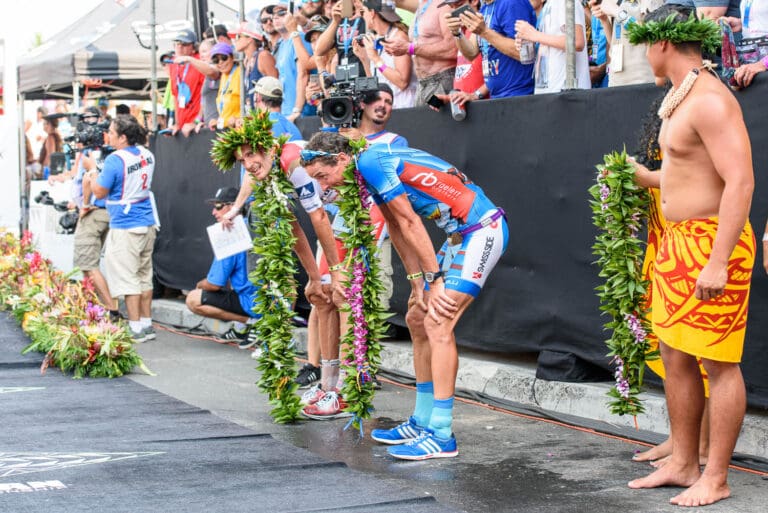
point(535, 157)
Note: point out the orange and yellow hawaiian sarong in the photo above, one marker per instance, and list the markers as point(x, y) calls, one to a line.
point(656, 225)
point(712, 329)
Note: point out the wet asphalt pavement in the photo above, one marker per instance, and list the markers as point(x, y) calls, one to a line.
point(507, 462)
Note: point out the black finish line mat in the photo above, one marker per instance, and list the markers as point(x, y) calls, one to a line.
point(12, 342)
point(114, 445)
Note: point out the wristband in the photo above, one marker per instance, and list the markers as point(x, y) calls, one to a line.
point(296, 110)
point(479, 94)
point(765, 237)
point(411, 49)
point(765, 61)
point(293, 34)
point(334, 268)
point(382, 67)
point(414, 276)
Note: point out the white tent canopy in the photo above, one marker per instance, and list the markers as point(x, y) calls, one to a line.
point(108, 49)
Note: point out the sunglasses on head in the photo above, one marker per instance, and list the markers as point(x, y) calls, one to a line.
point(279, 14)
point(310, 155)
point(219, 58)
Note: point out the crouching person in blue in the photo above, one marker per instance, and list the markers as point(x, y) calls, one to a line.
point(410, 184)
point(211, 297)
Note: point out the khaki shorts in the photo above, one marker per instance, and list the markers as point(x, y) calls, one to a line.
point(90, 235)
point(128, 260)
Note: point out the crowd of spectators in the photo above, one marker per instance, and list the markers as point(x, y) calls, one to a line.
point(454, 50)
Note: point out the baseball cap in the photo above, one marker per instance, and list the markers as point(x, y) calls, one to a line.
point(224, 195)
point(186, 36)
point(268, 86)
point(314, 28)
point(249, 29)
point(385, 8)
point(216, 31)
point(221, 49)
point(91, 112)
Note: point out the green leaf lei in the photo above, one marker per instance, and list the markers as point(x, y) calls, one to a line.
point(618, 207)
point(366, 320)
point(275, 270)
point(693, 30)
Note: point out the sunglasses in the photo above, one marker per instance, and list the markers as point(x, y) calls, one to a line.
point(219, 58)
point(279, 14)
point(266, 20)
point(219, 206)
point(308, 156)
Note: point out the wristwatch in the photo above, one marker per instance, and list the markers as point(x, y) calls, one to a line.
point(430, 277)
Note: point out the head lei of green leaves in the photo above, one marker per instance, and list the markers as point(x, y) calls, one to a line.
point(677, 25)
point(256, 132)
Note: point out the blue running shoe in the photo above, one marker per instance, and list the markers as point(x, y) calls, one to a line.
point(401, 434)
point(425, 447)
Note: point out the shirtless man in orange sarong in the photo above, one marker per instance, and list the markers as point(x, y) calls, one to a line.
point(704, 263)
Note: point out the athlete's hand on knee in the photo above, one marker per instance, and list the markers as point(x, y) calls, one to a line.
point(416, 299)
point(441, 305)
point(314, 293)
point(711, 282)
point(339, 292)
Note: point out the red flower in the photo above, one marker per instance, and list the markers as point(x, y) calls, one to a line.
point(88, 284)
point(26, 239)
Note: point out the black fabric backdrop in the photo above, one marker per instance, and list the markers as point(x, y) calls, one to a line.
point(535, 157)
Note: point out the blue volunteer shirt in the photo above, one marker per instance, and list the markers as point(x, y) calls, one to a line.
point(234, 269)
point(112, 178)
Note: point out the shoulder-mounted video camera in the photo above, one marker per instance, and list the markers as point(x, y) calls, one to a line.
point(89, 135)
point(342, 107)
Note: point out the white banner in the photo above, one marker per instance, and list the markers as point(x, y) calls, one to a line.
point(10, 208)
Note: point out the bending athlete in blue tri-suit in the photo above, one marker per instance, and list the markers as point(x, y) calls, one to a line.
point(409, 184)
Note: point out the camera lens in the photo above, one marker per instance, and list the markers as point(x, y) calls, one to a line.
point(338, 111)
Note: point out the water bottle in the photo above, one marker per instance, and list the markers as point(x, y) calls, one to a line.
point(459, 112)
point(527, 52)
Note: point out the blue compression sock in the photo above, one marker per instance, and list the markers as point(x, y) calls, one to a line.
point(442, 417)
point(424, 398)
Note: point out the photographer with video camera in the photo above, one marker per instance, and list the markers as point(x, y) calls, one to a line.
point(93, 220)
